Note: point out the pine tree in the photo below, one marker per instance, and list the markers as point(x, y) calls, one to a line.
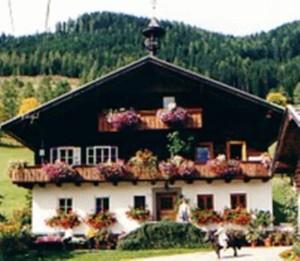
point(28, 91)
point(61, 87)
point(45, 90)
point(9, 100)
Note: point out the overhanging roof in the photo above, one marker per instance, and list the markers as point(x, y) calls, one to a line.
point(9, 126)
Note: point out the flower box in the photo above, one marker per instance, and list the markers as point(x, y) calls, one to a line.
point(225, 168)
point(175, 117)
point(60, 171)
point(112, 171)
point(237, 216)
point(138, 214)
point(64, 220)
point(123, 119)
point(205, 217)
point(100, 220)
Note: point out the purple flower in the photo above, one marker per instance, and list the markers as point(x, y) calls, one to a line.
point(177, 115)
point(123, 119)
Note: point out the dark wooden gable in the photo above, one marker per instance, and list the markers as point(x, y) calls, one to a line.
point(71, 119)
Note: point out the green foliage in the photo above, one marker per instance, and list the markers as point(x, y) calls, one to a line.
point(277, 98)
point(164, 234)
point(178, 146)
point(8, 100)
point(262, 219)
point(97, 43)
point(28, 91)
point(297, 94)
point(61, 88)
point(284, 201)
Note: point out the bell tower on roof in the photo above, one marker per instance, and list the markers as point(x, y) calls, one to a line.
point(153, 33)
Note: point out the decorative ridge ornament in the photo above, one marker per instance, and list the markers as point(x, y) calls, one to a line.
point(153, 32)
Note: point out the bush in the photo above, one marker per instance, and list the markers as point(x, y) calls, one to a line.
point(164, 234)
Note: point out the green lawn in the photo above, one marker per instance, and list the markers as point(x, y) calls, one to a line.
point(109, 255)
point(14, 197)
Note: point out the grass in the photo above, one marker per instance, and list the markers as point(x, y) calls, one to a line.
point(14, 197)
point(105, 255)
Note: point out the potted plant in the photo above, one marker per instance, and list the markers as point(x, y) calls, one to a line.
point(138, 214)
point(100, 220)
point(253, 236)
point(112, 171)
point(144, 162)
point(205, 217)
point(64, 220)
point(173, 116)
point(123, 119)
point(60, 171)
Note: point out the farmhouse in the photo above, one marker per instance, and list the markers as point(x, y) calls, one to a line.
point(87, 130)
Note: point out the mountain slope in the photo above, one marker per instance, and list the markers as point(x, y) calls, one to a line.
point(96, 43)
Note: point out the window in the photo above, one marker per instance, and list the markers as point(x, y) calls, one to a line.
point(97, 154)
point(238, 200)
point(236, 150)
point(204, 152)
point(69, 155)
point(65, 204)
point(102, 204)
point(168, 100)
point(205, 202)
point(139, 202)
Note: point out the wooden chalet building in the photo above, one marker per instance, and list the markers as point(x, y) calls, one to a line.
point(73, 128)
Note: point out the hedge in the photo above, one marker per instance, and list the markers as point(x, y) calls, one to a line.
point(164, 234)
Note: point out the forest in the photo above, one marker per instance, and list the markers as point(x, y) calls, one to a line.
point(97, 43)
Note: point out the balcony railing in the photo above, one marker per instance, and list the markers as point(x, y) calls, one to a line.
point(149, 120)
point(34, 175)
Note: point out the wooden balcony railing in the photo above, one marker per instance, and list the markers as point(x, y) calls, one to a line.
point(33, 175)
point(149, 120)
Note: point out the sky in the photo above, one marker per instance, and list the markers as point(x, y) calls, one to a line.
point(237, 17)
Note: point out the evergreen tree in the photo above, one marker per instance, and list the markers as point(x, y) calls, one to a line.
point(45, 90)
point(8, 100)
point(28, 91)
point(61, 87)
point(296, 94)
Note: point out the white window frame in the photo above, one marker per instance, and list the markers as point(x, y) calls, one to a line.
point(75, 159)
point(91, 154)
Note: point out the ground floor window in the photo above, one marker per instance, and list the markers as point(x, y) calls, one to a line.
point(205, 202)
point(139, 202)
point(102, 204)
point(238, 200)
point(65, 204)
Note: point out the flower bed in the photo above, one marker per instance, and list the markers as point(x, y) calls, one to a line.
point(223, 167)
point(205, 217)
point(178, 167)
point(113, 171)
point(60, 171)
point(64, 220)
point(237, 216)
point(176, 116)
point(138, 214)
point(100, 220)
point(123, 119)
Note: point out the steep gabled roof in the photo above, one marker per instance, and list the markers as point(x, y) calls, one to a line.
point(11, 125)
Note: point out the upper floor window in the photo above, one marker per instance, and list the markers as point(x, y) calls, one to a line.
point(205, 202)
point(97, 154)
point(65, 204)
point(139, 202)
point(238, 200)
point(204, 152)
point(69, 155)
point(167, 101)
point(102, 204)
point(236, 150)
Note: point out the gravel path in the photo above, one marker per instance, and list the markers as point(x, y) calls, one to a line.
point(245, 254)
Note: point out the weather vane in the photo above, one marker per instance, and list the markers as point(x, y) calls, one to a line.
point(154, 6)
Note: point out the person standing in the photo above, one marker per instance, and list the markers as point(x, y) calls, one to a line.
point(184, 211)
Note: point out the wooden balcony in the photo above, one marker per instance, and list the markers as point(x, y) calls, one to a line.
point(29, 176)
point(149, 121)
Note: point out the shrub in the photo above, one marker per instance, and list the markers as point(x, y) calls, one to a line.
point(296, 248)
point(164, 234)
point(277, 98)
point(13, 240)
